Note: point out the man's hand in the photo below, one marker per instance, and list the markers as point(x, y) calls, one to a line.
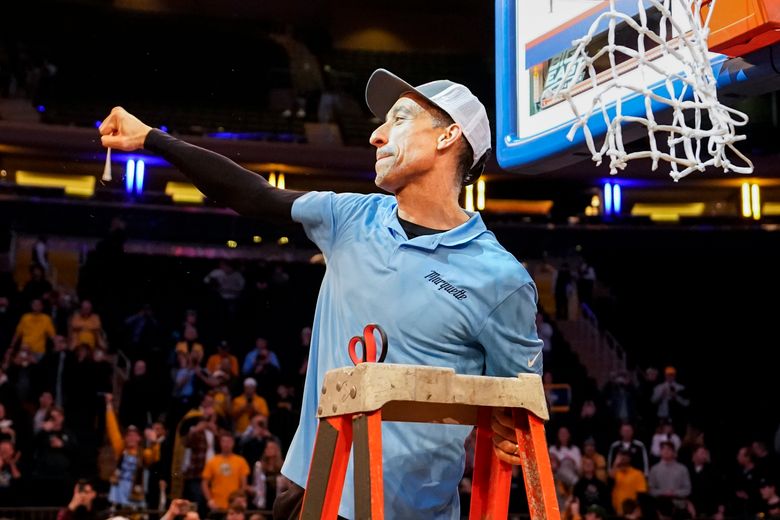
point(504, 438)
point(123, 131)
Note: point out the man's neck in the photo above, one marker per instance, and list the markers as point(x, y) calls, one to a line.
point(430, 205)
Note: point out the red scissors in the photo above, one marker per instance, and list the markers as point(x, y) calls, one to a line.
point(368, 342)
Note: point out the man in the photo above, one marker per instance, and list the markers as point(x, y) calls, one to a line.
point(224, 474)
point(419, 250)
point(247, 405)
point(80, 506)
point(669, 396)
point(669, 480)
point(770, 501)
point(138, 397)
point(589, 489)
point(34, 329)
point(635, 448)
point(628, 481)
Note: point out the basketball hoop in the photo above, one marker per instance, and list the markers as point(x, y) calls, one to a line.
point(707, 138)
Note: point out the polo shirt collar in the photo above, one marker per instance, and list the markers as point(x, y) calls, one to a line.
point(461, 234)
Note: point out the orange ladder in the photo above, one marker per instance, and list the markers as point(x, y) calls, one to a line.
point(355, 400)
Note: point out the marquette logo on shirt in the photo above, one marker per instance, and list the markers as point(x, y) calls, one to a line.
point(443, 285)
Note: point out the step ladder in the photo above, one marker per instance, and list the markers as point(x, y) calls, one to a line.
point(355, 400)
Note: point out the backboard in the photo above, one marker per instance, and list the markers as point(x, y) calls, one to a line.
point(534, 46)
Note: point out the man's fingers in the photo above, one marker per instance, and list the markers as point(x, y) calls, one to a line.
point(116, 142)
point(504, 417)
point(504, 430)
point(506, 457)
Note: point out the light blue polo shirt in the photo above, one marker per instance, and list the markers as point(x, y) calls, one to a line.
point(453, 299)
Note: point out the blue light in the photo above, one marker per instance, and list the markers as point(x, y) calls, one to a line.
point(130, 176)
point(41, 108)
point(608, 199)
point(98, 123)
point(163, 128)
point(139, 177)
point(616, 198)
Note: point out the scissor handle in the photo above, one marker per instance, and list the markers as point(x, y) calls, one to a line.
point(368, 341)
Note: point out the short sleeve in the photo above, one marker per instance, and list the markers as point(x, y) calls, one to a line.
point(509, 335)
point(208, 470)
point(324, 214)
point(244, 470)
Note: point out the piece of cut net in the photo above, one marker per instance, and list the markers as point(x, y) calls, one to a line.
point(693, 145)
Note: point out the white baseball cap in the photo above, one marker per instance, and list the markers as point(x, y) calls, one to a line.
point(384, 88)
point(250, 381)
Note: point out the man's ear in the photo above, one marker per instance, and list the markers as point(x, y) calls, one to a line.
point(448, 137)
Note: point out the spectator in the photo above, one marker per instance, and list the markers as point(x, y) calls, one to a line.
point(37, 287)
point(770, 502)
point(620, 396)
point(285, 414)
point(160, 471)
point(669, 396)
point(61, 308)
point(271, 464)
point(7, 432)
point(128, 483)
point(142, 331)
point(184, 390)
point(664, 433)
point(181, 508)
point(589, 489)
point(81, 505)
point(139, 401)
point(766, 462)
point(599, 462)
point(260, 352)
point(706, 490)
point(563, 449)
point(54, 461)
point(10, 476)
point(21, 374)
point(636, 449)
point(591, 423)
point(55, 370)
point(189, 341)
point(8, 321)
point(223, 474)
point(628, 482)
point(86, 327)
point(223, 353)
point(746, 496)
point(40, 254)
point(34, 329)
point(669, 479)
point(255, 438)
point(266, 373)
point(246, 405)
point(236, 513)
point(227, 282)
point(188, 461)
point(45, 404)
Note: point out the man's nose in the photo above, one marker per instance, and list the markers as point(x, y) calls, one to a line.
point(378, 137)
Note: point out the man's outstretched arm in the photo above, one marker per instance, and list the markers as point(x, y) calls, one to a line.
point(216, 176)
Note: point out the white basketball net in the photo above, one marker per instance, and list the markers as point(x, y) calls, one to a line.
point(690, 148)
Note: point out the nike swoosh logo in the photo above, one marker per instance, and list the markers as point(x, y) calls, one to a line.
point(533, 359)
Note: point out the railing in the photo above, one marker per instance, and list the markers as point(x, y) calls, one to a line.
point(50, 513)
